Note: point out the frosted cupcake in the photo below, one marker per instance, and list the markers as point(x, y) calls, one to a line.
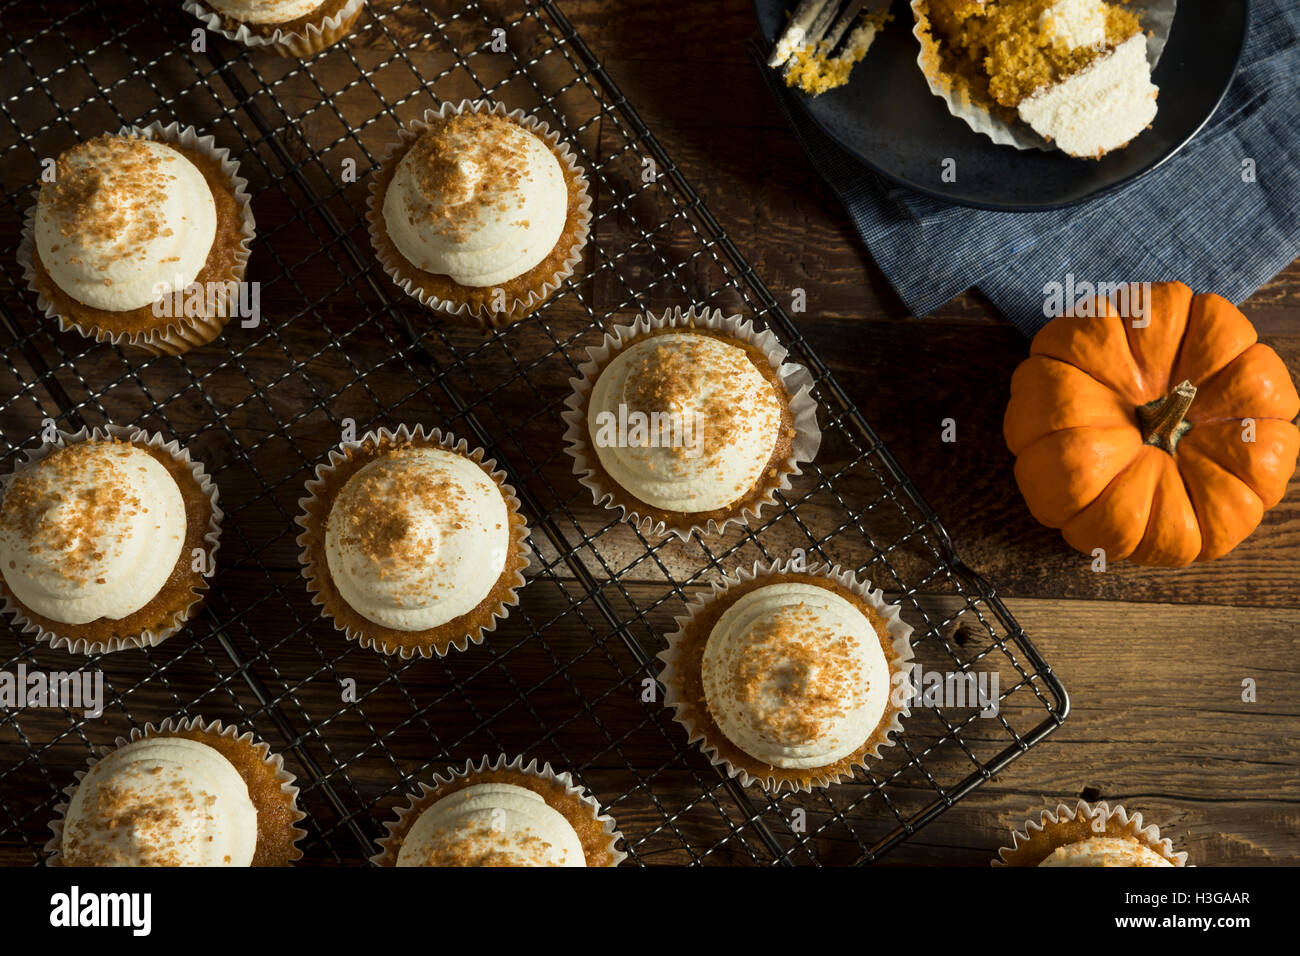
point(1089, 835)
point(184, 794)
point(689, 421)
point(789, 679)
point(287, 27)
point(501, 814)
point(107, 539)
point(130, 226)
point(479, 213)
point(412, 543)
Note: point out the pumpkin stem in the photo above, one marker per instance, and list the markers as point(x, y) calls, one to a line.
point(1162, 420)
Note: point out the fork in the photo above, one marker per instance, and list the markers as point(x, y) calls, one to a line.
point(820, 23)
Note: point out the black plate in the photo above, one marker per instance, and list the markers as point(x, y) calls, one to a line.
point(887, 117)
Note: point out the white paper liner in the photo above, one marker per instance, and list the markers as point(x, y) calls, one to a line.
point(172, 725)
point(179, 334)
point(450, 442)
point(206, 486)
point(518, 308)
point(1148, 835)
point(796, 379)
point(317, 37)
point(390, 845)
point(898, 631)
point(1157, 17)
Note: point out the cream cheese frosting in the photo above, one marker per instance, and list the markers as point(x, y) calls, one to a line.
point(93, 530)
point(477, 198)
point(795, 676)
point(126, 222)
point(1105, 851)
point(417, 538)
point(707, 391)
point(161, 801)
point(1075, 23)
point(1100, 108)
point(265, 11)
point(491, 824)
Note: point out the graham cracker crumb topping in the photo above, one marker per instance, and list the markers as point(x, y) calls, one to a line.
point(53, 508)
point(109, 190)
point(466, 166)
point(795, 679)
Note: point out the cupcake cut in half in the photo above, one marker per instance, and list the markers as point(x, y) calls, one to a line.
point(689, 421)
point(187, 793)
point(503, 813)
point(128, 224)
point(287, 27)
point(789, 679)
point(479, 213)
point(1074, 71)
point(412, 543)
point(104, 540)
point(1089, 835)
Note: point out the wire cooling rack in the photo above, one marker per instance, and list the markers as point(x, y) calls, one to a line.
point(567, 677)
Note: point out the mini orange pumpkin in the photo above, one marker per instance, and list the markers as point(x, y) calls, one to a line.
point(1133, 434)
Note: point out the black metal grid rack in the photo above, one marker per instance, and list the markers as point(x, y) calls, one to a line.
point(564, 677)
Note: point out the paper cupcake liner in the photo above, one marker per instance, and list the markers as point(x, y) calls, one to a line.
point(691, 714)
point(442, 439)
point(1156, 15)
point(391, 844)
point(172, 725)
point(317, 37)
point(207, 487)
point(1061, 826)
point(180, 334)
point(796, 379)
point(518, 308)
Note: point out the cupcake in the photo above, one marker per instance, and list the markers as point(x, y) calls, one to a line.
point(412, 544)
point(183, 794)
point(141, 239)
point(1087, 835)
point(106, 540)
point(479, 213)
point(287, 27)
point(1074, 72)
point(689, 422)
point(789, 679)
point(503, 814)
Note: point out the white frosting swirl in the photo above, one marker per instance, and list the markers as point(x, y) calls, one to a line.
point(417, 537)
point(491, 824)
point(477, 198)
point(795, 675)
point(91, 531)
point(161, 801)
point(708, 387)
point(264, 11)
point(1105, 851)
point(127, 221)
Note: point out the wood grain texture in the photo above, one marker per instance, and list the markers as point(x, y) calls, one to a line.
point(1154, 660)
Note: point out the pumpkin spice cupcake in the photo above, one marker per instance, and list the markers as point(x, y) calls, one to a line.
point(130, 227)
point(479, 213)
point(1088, 835)
point(689, 421)
point(107, 538)
point(789, 679)
point(186, 793)
point(287, 27)
point(412, 544)
point(1073, 74)
point(501, 814)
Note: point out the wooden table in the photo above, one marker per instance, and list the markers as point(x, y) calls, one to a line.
point(1154, 660)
